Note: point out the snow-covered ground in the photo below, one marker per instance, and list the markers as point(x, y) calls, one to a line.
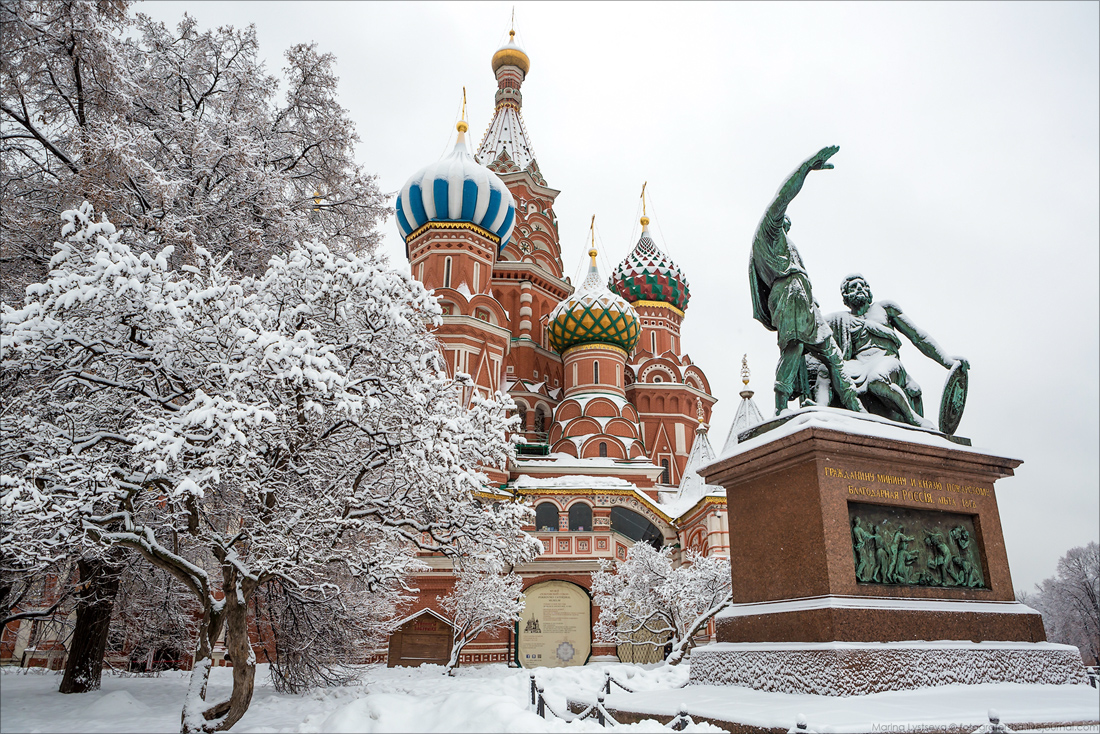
point(494, 698)
point(491, 698)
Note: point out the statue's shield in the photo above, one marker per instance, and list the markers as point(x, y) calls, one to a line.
point(954, 398)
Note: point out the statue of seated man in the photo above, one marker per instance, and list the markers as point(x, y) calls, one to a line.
point(866, 336)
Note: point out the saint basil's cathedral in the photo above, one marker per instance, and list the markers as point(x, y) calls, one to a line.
point(613, 414)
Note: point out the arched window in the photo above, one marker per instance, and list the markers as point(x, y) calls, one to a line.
point(521, 411)
point(603, 449)
point(447, 272)
point(540, 420)
point(595, 372)
point(580, 517)
point(546, 517)
point(664, 471)
point(635, 526)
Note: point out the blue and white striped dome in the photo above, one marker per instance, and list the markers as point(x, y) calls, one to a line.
point(457, 189)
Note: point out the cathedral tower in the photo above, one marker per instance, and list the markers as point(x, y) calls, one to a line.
point(455, 216)
point(527, 278)
point(595, 331)
point(661, 382)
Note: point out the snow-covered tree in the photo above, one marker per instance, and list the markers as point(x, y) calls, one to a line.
point(181, 135)
point(646, 597)
point(1070, 601)
point(299, 426)
point(482, 600)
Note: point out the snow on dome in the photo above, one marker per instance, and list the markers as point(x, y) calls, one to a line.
point(647, 274)
point(593, 315)
point(457, 189)
point(510, 54)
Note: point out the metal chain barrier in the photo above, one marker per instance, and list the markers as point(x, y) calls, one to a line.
point(596, 710)
point(608, 680)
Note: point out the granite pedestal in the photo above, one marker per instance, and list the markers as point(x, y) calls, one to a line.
point(929, 601)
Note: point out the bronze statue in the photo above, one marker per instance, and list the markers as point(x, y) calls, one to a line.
point(868, 344)
point(783, 301)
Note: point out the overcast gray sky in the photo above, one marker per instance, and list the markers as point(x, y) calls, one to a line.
point(967, 186)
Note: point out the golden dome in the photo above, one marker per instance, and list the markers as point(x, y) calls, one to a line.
point(511, 55)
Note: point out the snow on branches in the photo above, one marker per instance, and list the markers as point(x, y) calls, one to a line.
point(293, 427)
point(647, 598)
point(482, 601)
point(179, 132)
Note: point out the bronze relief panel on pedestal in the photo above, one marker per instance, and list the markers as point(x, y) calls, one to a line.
point(911, 547)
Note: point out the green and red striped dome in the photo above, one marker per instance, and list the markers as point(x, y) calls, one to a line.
point(647, 274)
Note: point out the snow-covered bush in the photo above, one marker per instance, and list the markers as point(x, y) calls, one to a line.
point(482, 600)
point(319, 639)
point(646, 598)
point(299, 426)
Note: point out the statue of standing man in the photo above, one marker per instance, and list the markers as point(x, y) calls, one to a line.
point(783, 301)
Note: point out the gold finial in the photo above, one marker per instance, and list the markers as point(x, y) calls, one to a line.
point(462, 126)
point(745, 369)
point(592, 251)
point(699, 409)
point(316, 201)
point(644, 184)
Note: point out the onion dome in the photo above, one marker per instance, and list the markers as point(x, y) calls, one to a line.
point(593, 315)
point(647, 274)
point(457, 189)
point(511, 55)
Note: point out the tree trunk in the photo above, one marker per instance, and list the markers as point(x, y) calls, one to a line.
point(197, 716)
point(95, 600)
point(193, 719)
point(244, 660)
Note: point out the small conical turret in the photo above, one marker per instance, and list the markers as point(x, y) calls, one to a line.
point(748, 415)
point(702, 453)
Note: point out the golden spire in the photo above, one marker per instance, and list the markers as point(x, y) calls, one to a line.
point(645, 219)
point(462, 126)
point(592, 251)
point(699, 409)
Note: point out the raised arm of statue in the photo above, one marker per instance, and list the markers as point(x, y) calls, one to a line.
point(921, 339)
point(790, 188)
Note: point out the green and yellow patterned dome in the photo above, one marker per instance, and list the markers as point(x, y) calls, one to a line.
point(593, 315)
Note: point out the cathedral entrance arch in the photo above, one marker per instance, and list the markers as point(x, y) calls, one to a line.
point(555, 628)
